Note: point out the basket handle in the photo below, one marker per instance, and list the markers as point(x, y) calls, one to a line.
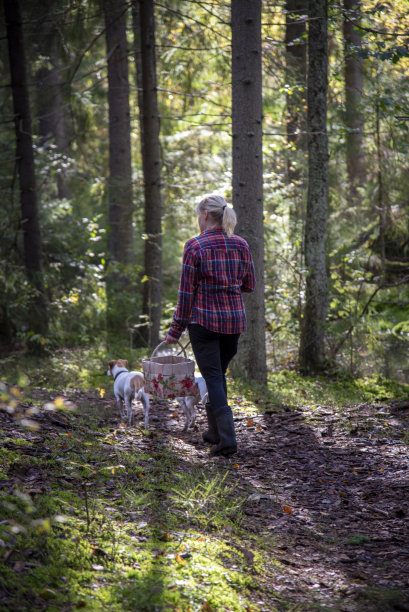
point(182, 347)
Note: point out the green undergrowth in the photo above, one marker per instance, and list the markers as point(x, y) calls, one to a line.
point(287, 390)
point(78, 368)
point(86, 368)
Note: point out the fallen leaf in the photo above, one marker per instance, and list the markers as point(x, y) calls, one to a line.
point(59, 403)
point(18, 566)
point(287, 510)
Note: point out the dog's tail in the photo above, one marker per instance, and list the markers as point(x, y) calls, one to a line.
point(137, 382)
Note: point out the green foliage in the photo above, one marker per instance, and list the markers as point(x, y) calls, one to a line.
point(15, 302)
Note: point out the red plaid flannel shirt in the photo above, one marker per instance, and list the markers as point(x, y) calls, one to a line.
point(216, 269)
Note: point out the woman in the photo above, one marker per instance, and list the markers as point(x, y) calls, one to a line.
point(217, 267)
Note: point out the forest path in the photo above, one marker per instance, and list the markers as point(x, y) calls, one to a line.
point(330, 488)
point(323, 492)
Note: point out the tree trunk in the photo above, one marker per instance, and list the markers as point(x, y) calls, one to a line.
point(295, 78)
point(120, 245)
point(354, 118)
point(151, 158)
point(296, 122)
point(312, 350)
point(247, 113)
point(25, 164)
point(137, 35)
point(52, 117)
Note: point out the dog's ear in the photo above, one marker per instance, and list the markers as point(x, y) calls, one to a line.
point(111, 364)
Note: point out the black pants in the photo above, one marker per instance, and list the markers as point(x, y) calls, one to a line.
point(213, 352)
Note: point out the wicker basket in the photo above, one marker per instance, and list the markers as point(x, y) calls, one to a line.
point(169, 376)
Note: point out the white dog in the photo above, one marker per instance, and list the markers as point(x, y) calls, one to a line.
point(128, 386)
point(189, 402)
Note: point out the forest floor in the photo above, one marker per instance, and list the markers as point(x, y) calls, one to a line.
point(311, 514)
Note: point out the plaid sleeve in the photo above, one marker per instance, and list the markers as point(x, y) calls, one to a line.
point(249, 280)
point(186, 294)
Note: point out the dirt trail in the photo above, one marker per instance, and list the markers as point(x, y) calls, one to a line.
point(333, 493)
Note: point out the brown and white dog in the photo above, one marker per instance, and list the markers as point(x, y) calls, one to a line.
point(127, 387)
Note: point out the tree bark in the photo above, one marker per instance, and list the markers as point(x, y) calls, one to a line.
point(30, 225)
point(295, 78)
point(354, 117)
point(120, 239)
point(312, 349)
point(151, 159)
point(51, 110)
point(247, 113)
point(137, 35)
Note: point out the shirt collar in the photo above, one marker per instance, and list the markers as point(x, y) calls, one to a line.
point(213, 229)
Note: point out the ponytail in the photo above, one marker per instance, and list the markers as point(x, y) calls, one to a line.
point(229, 220)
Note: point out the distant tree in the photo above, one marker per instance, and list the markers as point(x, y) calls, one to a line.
point(137, 35)
point(296, 116)
point(30, 227)
point(52, 92)
point(247, 113)
point(354, 116)
point(120, 297)
point(312, 349)
point(151, 159)
point(295, 76)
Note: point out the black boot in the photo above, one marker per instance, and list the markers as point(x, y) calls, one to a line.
point(211, 434)
point(225, 427)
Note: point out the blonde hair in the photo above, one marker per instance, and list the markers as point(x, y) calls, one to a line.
point(220, 213)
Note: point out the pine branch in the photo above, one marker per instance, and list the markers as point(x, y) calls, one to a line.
point(372, 30)
point(167, 8)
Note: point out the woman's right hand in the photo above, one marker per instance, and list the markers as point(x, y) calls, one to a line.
point(170, 339)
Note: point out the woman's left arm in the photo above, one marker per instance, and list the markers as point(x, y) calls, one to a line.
point(249, 281)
